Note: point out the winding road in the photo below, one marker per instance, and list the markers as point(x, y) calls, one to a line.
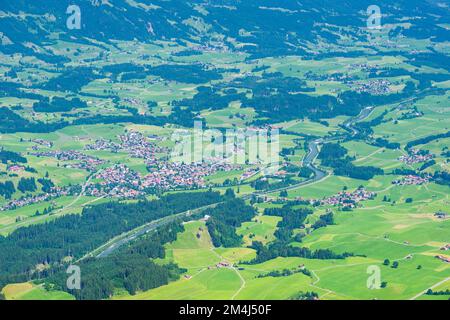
point(117, 242)
point(308, 161)
point(314, 149)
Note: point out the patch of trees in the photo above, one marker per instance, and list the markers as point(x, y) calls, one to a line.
point(58, 104)
point(292, 219)
point(274, 99)
point(305, 172)
point(282, 249)
point(118, 68)
point(178, 116)
point(332, 155)
point(47, 184)
point(127, 68)
point(225, 218)
point(75, 235)
point(263, 184)
point(187, 53)
point(133, 75)
point(193, 73)
point(324, 220)
point(71, 80)
point(12, 122)
point(427, 164)
point(403, 172)
point(7, 189)
point(284, 273)
point(26, 185)
point(30, 169)
point(129, 269)
point(365, 128)
point(309, 295)
point(332, 151)
point(430, 292)
point(427, 139)
point(442, 177)
point(384, 143)
point(209, 98)
point(11, 89)
point(6, 156)
point(432, 59)
point(287, 151)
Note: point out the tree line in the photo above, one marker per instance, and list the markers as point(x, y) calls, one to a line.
point(130, 268)
point(47, 244)
point(335, 156)
point(225, 218)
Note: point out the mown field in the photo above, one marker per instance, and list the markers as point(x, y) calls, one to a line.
point(399, 224)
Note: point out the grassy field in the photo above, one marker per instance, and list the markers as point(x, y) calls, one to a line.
point(29, 291)
point(377, 229)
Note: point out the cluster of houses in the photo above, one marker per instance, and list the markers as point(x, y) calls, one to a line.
point(219, 47)
point(249, 173)
point(412, 180)
point(137, 145)
point(116, 181)
point(121, 181)
point(443, 258)
point(43, 142)
point(415, 156)
point(86, 162)
point(348, 199)
point(223, 264)
point(167, 175)
point(441, 215)
point(133, 101)
point(56, 192)
point(364, 67)
point(103, 145)
point(15, 168)
point(376, 87)
point(411, 115)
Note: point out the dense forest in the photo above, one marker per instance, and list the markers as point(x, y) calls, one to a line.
point(185, 73)
point(27, 185)
point(13, 122)
point(427, 139)
point(283, 249)
point(7, 189)
point(74, 235)
point(272, 97)
point(72, 79)
point(130, 269)
point(291, 219)
point(225, 218)
point(324, 220)
point(335, 156)
point(442, 177)
point(14, 157)
point(58, 104)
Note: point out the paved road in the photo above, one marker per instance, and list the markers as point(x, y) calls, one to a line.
point(308, 161)
point(432, 287)
point(314, 150)
point(117, 242)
